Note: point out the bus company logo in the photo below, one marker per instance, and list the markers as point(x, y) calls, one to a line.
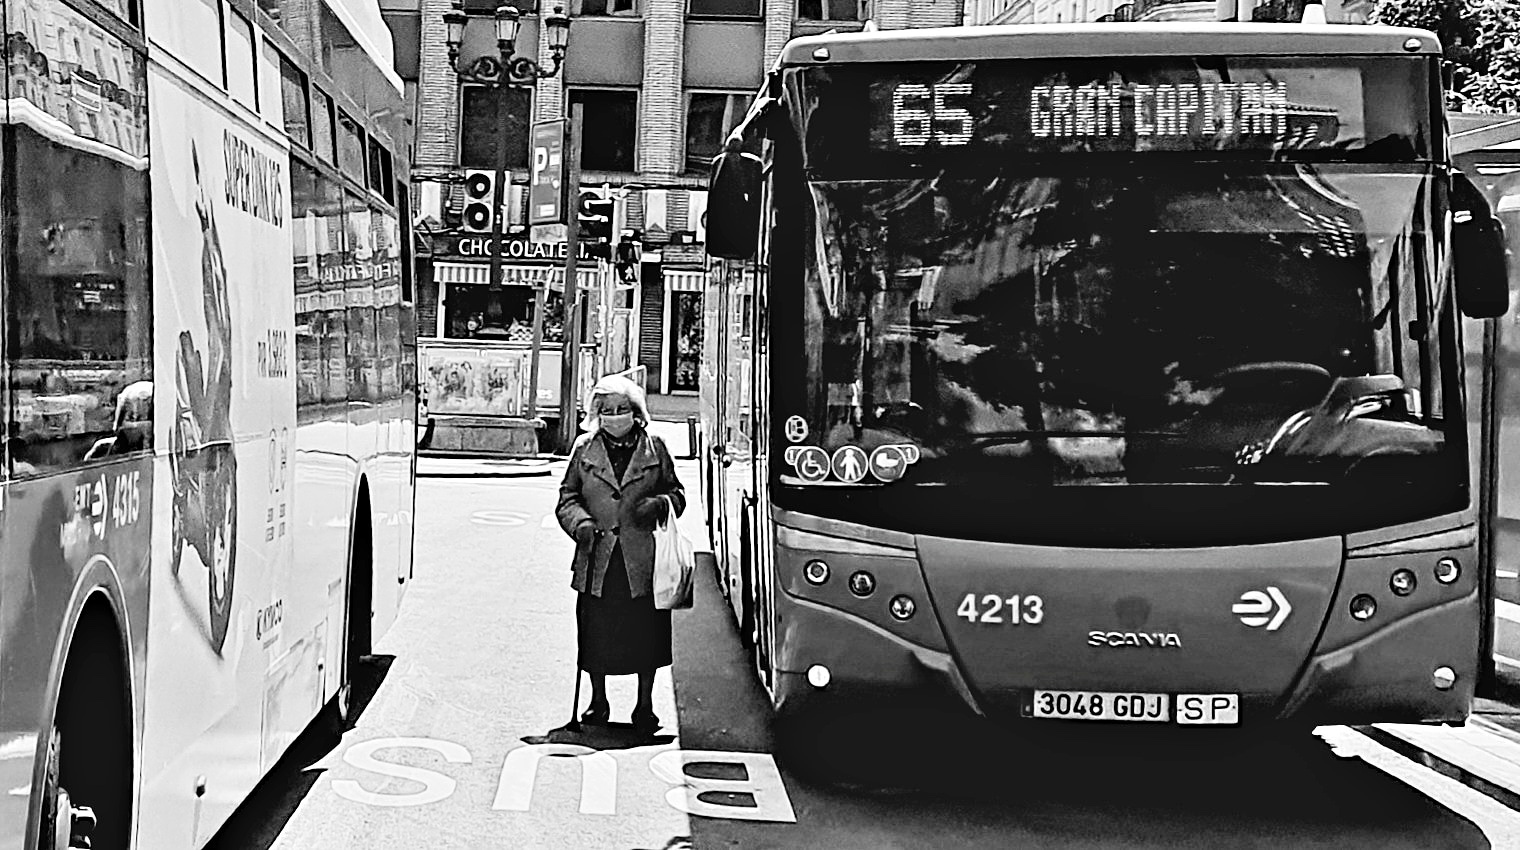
point(1139, 640)
point(269, 620)
point(1258, 608)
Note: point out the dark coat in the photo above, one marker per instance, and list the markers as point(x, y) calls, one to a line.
point(591, 491)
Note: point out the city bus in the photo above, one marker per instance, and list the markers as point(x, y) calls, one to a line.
point(1111, 373)
point(209, 401)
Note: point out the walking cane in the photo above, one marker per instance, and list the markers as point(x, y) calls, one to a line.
point(575, 722)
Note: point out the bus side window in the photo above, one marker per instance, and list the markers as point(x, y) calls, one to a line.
point(79, 330)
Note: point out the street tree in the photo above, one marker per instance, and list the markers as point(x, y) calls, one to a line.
point(1481, 42)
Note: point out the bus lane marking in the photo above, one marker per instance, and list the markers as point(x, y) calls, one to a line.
point(752, 788)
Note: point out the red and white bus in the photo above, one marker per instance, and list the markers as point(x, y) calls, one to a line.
point(208, 389)
point(1108, 373)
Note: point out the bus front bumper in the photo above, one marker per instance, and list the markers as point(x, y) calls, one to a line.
point(1385, 677)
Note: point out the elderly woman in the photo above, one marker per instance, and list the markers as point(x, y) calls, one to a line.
point(620, 483)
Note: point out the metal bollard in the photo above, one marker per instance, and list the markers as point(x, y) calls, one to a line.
point(691, 438)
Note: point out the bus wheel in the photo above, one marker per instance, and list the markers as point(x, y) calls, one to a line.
point(337, 715)
point(86, 786)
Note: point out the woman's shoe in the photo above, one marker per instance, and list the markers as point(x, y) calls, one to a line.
point(597, 715)
point(644, 720)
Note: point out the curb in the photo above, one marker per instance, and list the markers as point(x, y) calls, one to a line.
point(537, 473)
point(1444, 765)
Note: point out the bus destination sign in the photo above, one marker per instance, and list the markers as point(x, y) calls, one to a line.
point(871, 116)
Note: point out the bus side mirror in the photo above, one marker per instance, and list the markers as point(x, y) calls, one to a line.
point(1479, 252)
point(733, 206)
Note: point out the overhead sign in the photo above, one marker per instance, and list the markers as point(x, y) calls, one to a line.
point(511, 249)
point(546, 204)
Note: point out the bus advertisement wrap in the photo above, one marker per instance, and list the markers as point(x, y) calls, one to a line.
point(220, 301)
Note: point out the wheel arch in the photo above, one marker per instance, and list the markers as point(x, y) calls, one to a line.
point(360, 573)
point(97, 611)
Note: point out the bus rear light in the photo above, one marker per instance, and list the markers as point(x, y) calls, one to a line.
point(1363, 607)
point(862, 584)
point(1402, 582)
point(816, 572)
point(902, 607)
point(819, 676)
point(1443, 678)
point(1448, 570)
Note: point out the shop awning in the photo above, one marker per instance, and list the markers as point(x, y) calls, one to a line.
point(685, 281)
point(479, 274)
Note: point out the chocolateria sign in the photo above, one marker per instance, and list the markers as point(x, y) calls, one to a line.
point(479, 248)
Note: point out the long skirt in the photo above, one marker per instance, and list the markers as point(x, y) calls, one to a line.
point(619, 634)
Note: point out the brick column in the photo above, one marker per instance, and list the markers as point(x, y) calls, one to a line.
point(662, 112)
point(935, 13)
point(549, 95)
point(779, 17)
point(893, 14)
point(437, 94)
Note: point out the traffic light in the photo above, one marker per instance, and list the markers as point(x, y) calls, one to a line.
point(595, 215)
point(479, 199)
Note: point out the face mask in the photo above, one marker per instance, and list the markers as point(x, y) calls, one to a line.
point(618, 425)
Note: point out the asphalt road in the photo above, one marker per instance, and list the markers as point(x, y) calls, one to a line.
point(446, 751)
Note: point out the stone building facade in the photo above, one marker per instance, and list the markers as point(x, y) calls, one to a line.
point(662, 81)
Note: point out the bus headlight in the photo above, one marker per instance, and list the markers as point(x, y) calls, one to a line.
point(816, 572)
point(902, 607)
point(1448, 570)
point(1363, 606)
point(1402, 582)
point(1443, 678)
point(862, 584)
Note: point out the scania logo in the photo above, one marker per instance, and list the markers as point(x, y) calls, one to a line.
point(1159, 640)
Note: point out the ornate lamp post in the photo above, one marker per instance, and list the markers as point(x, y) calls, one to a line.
point(504, 71)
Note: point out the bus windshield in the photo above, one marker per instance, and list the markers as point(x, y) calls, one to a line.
point(1076, 333)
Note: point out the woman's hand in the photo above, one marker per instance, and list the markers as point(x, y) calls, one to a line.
point(585, 535)
point(651, 510)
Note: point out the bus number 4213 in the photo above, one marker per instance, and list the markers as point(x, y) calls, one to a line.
point(990, 608)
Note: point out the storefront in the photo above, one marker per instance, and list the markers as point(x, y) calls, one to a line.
point(479, 361)
point(681, 357)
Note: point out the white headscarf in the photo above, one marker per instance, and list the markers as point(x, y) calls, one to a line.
point(615, 385)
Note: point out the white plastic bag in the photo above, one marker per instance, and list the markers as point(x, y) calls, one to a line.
point(674, 563)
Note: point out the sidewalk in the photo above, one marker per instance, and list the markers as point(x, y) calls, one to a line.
point(431, 465)
point(1483, 755)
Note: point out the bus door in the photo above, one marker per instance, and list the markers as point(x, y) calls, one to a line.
point(1493, 392)
point(713, 391)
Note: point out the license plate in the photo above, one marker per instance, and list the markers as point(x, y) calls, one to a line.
point(1091, 705)
point(1208, 709)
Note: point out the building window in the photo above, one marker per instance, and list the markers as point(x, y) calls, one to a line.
point(322, 125)
point(724, 8)
point(829, 10)
point(610, 129)
point(606, 7)
point(478, 123)
point(350, 147)
point(297, 113)
point(709, 118)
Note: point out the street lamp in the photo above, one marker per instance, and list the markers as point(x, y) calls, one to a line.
point(507, 68)
point(504, 71)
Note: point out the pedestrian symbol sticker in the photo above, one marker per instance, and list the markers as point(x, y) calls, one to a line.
point(850, 464)
point(811, 463)
point(796, 429)
point(889, 463)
